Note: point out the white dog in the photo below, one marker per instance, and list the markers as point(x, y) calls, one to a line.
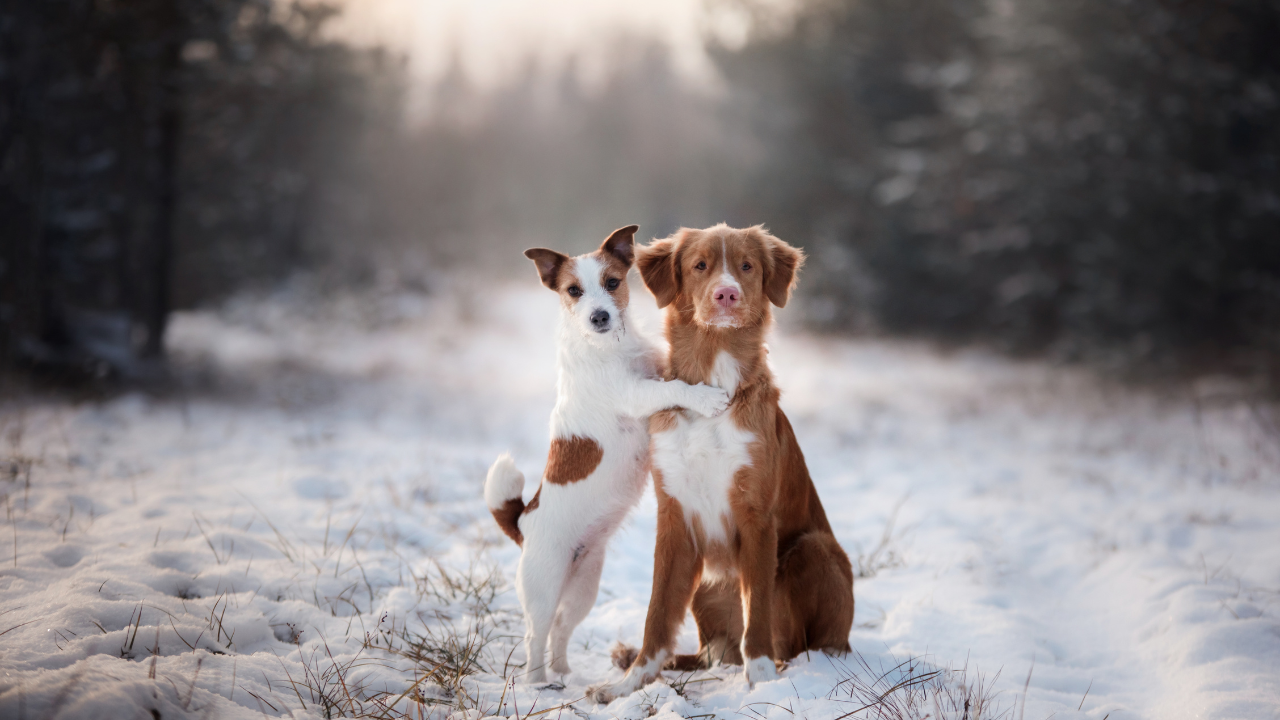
point(609, 384)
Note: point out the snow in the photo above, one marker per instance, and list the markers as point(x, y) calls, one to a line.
point(313, 494)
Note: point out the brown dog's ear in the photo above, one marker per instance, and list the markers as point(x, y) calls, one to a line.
point(621, 244)
point(548, 263)
point(780, 271)
point(657, 263)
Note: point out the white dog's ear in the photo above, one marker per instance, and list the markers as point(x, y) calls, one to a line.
point(659, 270)
point(780, 270)
point(621, 244)
point(548, 263)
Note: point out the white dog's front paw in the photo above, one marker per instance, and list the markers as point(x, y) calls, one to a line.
point(707, 400)
point(761, 669)
point(560, 666)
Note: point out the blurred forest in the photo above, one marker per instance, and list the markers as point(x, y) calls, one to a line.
point(156, 154)
point(1094, 180)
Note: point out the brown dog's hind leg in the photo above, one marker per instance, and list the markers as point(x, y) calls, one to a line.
point(813, 607)
point(624, 656)
point(717, 608)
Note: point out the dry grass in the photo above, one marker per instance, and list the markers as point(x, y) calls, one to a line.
point(883, 556)
point(436, 651)
point(428, 658)
point(914, 689)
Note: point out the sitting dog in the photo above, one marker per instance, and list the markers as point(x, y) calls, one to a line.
point(610, 382)
point(742, 535)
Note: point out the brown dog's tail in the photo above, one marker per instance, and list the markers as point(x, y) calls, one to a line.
point(502, 491)
point(624, 656)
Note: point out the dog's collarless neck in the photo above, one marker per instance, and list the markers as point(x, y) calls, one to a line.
point(728, 358)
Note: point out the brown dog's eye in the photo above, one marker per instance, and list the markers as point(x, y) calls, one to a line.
point(612, 284)
point(575, 291)
point(746, 267)
point(702, 265)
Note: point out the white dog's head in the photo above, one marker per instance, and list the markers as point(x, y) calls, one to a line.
point(593, 287)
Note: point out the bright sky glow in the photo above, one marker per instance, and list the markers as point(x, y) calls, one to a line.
point(492, 38)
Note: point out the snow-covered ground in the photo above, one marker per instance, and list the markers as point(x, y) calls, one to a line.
point(300, 532)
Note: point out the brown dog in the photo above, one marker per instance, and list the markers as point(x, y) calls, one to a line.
point(741, 533)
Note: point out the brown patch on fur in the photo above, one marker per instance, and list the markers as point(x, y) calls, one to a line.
point(507, 517)
point(567, 277)
point(789, 585)
point(616, 254)
point(572, 459)
point(620, 245)
point(623, 656)
point(662, 421)
point(534, 502)
point(548, 263)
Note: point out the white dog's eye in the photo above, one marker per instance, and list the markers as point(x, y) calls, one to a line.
point(575, 291)
point(612, 284)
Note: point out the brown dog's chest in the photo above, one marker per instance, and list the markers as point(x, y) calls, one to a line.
point(698, 459)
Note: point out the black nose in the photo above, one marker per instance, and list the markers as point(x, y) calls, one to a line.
point(600, 320)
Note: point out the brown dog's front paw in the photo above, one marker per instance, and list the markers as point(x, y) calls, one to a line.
point(624, 656)
point(604, 693)
point(761, 669)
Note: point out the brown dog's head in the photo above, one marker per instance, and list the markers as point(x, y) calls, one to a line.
point(726, 276)
point(592, 287)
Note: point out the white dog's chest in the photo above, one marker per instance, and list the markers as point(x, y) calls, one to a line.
point(698, 459)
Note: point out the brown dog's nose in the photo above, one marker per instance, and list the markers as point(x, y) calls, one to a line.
point(726, 296)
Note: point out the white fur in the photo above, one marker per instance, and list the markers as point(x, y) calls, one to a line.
point(725, 373)
point(504, 482)
point(637, 677)
point(700, 455)
point(727, 279)
point(760, 669)
point(607, 388)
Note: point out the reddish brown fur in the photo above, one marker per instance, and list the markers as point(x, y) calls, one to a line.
point(790, 585)
point(677, 568)
point(623, 656)
point(617, 253)
point(662, 421)
point(566, 278)
point(507, 516)
point(572, 459)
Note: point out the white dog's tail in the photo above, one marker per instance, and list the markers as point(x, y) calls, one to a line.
point(502, 491)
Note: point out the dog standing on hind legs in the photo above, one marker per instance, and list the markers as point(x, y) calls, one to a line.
point(609, 383)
